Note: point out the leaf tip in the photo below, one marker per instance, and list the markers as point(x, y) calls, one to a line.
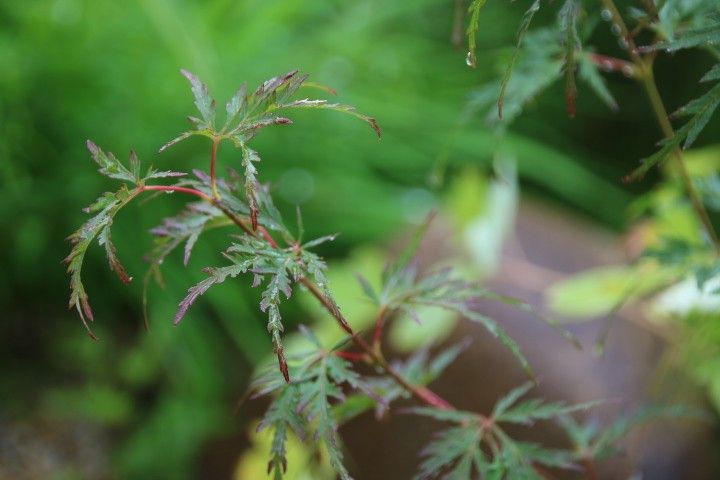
point(375, 126)
point(282, 363)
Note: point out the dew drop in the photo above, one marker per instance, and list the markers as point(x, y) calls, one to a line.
point(606, 15)
point(606, 65)
point(615, 29)
point(622, 43)
point(471, 60)
point(628, 71)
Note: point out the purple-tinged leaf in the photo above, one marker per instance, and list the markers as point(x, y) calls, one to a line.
point(163, 174)
point(237, 105)
point(105, 239)
point(203, 101)
point(338, 107)
point(176, 140)
point(109, 165)
point(216, 276)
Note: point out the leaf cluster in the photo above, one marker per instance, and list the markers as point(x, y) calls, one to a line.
point(99, 226)
point(249, 112)
point(691, 258)
point(404, 289)
point(224, 202)
point(478, 445)
point(306, 405)
point(540, 58)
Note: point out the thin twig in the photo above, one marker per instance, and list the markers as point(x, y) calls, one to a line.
point(213, 166)
point(644, 69)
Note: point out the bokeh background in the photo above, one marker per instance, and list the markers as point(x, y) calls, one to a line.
point(162, 404)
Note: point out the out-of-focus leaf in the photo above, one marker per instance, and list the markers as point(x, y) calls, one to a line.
point(567, 19)
point(589, 73)
point(700, 110)
point(524, 26)
point(599, 291)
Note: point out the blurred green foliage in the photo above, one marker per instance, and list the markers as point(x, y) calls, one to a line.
point(77, 69)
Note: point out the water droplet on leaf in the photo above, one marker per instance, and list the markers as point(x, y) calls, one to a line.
point(606, 15)
point(471, 60)
point(615, 29)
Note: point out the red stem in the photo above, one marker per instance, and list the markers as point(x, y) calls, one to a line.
point(168, 188)
point(379, 323)
point(267, 237)
point(589, 467)
point(420, 392)
point(352, 356)
point(613, 64)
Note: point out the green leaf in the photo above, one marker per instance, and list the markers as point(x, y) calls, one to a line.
point(530, 411)
point(104, 238)
point(712, 74)
point(509, 410)
point(538, 65)
point(319, 241)
point(203, 101)
point(368, 290)
point(186, 227)
point(408, 254)
point(236, 106)
point(498, 332)
point(338, 107)
point(403, 290)
point(443, 415)
point(524, 26)
point(107, 206)
point(319, 378)
point(177, 140)
point(605, 443)
point(700, 110)
point(589, 73)
point(249, 157)
point(152, 174)
point(452, 453)
point(216, 275)
point(510, 398)
point(550, 457)
point(702, 36)
point(282, 416)
point(676, 15)
point(567, 19)
point(111, 166)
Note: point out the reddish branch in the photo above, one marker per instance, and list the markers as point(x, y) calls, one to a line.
point(379, 324)
point(613, 64)
point(169, 188)
point(352, 356)
point(419, 391)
